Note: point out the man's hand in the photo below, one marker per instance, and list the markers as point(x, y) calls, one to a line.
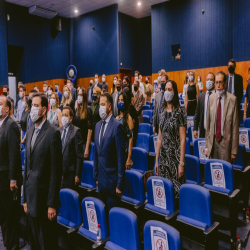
point(77, 180)
point(195, 134)
point(86, 153)
point(13, 186)
point(118, 192)
point(51, 213)
point(233, 157)
point(25, 208)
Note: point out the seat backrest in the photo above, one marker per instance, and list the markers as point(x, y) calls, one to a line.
point(188, 151)
point(139, 158)
point(214, 172)
point(147, 103)
point(92, 151)
point(145, 107)
point(146, 119)
point(190, 134)
point(70, 207)
point(134, 188)
point(199, 148)
point(93, 213)
point(149, 113)
point(195, 203)
point(167, 235)
point(123, 228)
point(151, 143)
point(192, 168)
point(143, 141)
point(158, 187)
point(87, 173)
point(244, 136)
point(246, 123)
point(145, 128)
point(241, 157)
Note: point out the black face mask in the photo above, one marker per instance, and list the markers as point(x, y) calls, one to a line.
point(124, 85)
point(146, 82)
point(163, 86)
point(186, 78)
point(5, 93)
point(29, 103)
point(118, 89)
point(231, 69)
point(90, 84)
point(135, 88)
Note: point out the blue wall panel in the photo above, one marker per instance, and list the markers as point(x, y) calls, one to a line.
point(241, 42)
point(96, 51)
point(206, 39)
point(3, 46)
point(44, 58)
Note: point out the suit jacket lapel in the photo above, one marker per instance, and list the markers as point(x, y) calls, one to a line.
point(225, 108)
point(41, 134)
point(67, 136)
point(28, 142)
point(97, 146)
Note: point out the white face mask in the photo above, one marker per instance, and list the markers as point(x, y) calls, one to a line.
point(136, 78)
point(79, 99)
point(159, 78)
point(34, 114)
point(66, 94)
point(96, 80)
point(168, 96)
point(49, 92)
point(102, 112)
point(115, 82)
point(53, 102)
point(65, 121)
point(44, 89)
point(209, 85)
point(191, 78)
point(198, 79)
point(103, 79)
point(21, 95)
point(69, 85)
point(1, 110)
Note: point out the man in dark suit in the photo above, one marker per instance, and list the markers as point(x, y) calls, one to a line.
point(72, 149)
point(10, 176)
point(234, 83)
point(109, 157)
point(115, 96)
point(17, 96)
point(6, 92)
point(90, 92)
point(200, 117)
point(96, 83)
point(42, 176)
point(73, 90)
point(105, 87)
point(95, 109)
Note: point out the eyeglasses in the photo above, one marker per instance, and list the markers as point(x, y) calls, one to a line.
point(219, 83)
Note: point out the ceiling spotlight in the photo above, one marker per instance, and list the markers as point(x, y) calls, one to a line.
point(76, 11)
point(139, 4)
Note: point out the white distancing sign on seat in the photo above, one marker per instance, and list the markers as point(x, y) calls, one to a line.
point(190, 121)
point(155, 142)
point(159, 193)
point(159, 238)
point(217, 173)
point(243, 137)
point(201, 147)
point(92, 218)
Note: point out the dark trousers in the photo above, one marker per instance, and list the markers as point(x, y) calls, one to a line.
point(68, 180)
point(42, 233)
point(9, 215)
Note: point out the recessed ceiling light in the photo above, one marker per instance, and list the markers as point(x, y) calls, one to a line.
point(76, 11)
point(139, 4)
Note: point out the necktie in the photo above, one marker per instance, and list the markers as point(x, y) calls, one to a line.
point(159, 108)
point(102, 132)
point(218, 122)
point(35, 134)
point(63, 138)
point(230, 85)
point(29, 123)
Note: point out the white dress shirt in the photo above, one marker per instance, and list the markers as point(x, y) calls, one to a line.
point(106, 125)
point(205, 108)
point(222, 108)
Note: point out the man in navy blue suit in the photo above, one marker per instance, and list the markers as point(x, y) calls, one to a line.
point(110, 157)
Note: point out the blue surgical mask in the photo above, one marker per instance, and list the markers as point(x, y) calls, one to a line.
point(94, 97)
point(120, 106)
point(56, 89)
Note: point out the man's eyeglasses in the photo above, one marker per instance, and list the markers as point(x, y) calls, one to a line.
point(219, 83)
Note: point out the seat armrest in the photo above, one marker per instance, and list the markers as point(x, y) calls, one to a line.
point(172, 216)
point(190, 225)
point(72, 230)
point(101, 246)
point(92, 189)
point(246, 169)
point(235, 193)
point(140, 205)
point(201, 184)
point(212, 228)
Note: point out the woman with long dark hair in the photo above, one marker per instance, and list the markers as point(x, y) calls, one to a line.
point(126, 83)
point(83, 120)
point(125, 119)
point(171, 141)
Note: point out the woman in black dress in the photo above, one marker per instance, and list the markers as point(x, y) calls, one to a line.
point(83, 120)
point(133, 114)
point(171, 143)
point(24, 120)
point(192, 94)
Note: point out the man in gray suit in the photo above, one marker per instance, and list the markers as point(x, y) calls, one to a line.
point(158, 103)
point(115, 97)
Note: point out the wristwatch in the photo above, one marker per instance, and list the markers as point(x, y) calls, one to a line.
point(182, 163)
